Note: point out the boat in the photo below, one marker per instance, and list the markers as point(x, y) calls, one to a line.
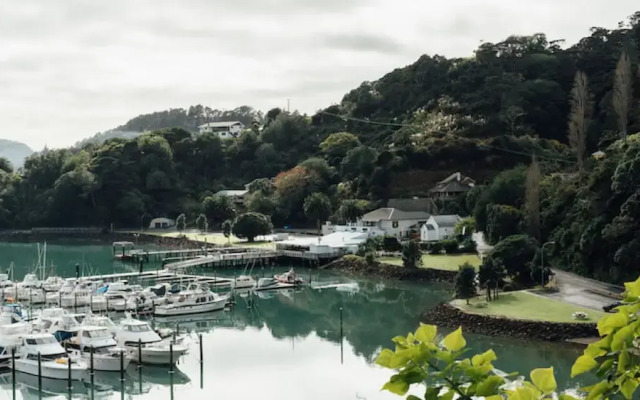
point(5, 282)
point(110, 301)
point(58, 322)
point(200, 300)
point(289, 277)
point(99, 341)
point(55, 363)
point(80, 296)
point(53, 283)
point(12, 330)
point(272, 284)
point(243, 282)
point(30, 289)
point(106, 322)
point(153, 349)
point(148, 298)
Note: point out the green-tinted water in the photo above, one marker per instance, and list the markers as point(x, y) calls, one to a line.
point(287, 346)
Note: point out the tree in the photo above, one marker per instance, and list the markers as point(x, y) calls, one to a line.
point(466, 226)
point(218, 208)
point(201, 223)
point(465, 282)
point(336, 146)
point(227, 227)
point(515, 253)
point(580, 116)
point(532, 200)
point(350, 210)
point(502, 221)
point(252, 224)
point(411, 254)
point(181, 223)
point(5, 165)
point(622, 93)
point(317, 206)
point(391, 244)
point(490, 275)
point(261, 203)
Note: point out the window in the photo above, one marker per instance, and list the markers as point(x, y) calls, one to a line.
point(395, 224)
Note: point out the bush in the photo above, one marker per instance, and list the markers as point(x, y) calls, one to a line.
point(436, 248)
point(391, 244)
point(468, 246)
point(370, 258)
point(425, 246)
point(450, 246)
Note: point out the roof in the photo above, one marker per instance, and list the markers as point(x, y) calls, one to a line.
point(446, 220)
point(232, 193)
point(393, 214)
point(425, 204)
point(220, 124)
point(335, 239)
point(455, 182)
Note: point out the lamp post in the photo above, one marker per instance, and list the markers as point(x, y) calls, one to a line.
point(542, 263)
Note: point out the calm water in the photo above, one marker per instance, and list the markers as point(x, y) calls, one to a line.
point(287, 346)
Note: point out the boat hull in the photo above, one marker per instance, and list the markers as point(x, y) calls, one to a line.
point(106, 363)
point(157, 356)
point(172, 310)
point(51, 369)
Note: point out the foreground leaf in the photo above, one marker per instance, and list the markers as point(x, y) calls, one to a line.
point(396, 385)
point(426, 333)
point(489, 386)
point(583, 364)
point(455, 341)
point(544, 380)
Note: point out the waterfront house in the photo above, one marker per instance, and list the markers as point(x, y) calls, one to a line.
point(223, 130)
point(385, 221)
point(333, 245)
point(452, 186)
point(439, 227)
point(161, 223)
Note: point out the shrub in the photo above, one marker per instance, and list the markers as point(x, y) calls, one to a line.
point(391, 244)
point(450, 246)
point(436, 248)
point(468, 246)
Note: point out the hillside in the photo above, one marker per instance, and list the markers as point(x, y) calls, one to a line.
point(187, 119)
point(15, 152)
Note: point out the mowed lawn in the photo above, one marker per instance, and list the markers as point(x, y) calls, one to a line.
point(439, 261)
point(214, 238)
point(527, 306)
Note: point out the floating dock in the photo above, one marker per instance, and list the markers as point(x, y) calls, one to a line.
point(224, 259)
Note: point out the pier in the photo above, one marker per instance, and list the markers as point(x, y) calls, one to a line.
point(224, 259)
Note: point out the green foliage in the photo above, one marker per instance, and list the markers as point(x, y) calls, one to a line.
point(502, 221)
point(411, 254)
point(261, 203)
point(448, 370)
point(249, 225)
point(336, 146)
point(317, 207)
point(515, 254)
point(436, 248)
point(507, 188)
point(201, 223)
point(227, 227)
point(466, 225)
point(181, 222)
point(468, 245)
point(370, 258)
point(490, 275)
point(350, 210)
point(450, 246)
point(218, 208)
point(391, 244)
point(465, 282)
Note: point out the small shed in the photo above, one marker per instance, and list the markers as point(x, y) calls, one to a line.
point(161, 223)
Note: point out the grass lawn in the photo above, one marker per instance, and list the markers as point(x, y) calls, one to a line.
point(439, 261)
point(525, 305)
point(215, 238)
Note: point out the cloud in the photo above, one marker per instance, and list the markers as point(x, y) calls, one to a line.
point(70, 68)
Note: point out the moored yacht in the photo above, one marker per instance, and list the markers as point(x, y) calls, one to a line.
point(243, 282)
point(195, 302)
point(99, 341)
point(53, 283)
point(55, 362)
point(12, 330)
point(154, 350)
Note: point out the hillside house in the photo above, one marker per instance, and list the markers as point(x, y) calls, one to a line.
point(239, 197)
point(223, 130)
point(452, 186)
point(383, 222)
point(161, 223)
point(439, 227)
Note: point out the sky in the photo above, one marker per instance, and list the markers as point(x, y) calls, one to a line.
point(72, 68)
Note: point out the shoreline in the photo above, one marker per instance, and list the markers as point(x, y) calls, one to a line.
point(101, 238)
point(446, 315)
point(357, 265)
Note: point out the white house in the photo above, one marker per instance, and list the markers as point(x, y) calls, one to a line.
point(161, 223)
point(223, 130)
point(439, 227)
point(239, 197)
point(329, 246)
point(384, 221)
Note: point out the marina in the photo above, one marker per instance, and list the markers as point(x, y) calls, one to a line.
point(329, 327)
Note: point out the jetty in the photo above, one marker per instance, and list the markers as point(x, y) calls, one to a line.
point(224, 259)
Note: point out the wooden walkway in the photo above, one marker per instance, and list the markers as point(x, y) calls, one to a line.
point(223, 259)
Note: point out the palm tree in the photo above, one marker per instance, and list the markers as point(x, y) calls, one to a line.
point(317, 206)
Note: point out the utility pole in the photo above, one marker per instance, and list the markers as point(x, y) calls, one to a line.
point(288, 104)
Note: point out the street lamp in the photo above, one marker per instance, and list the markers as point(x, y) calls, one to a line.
point(542, 263)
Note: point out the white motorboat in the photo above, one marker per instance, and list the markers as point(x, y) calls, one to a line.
point(110, 301)
point(289, 277)
point(58, 322)
point(271, 284)
point(53, 283)
point(154, 350)
point(150, 297)
point(100, 321)
point(121, 287)
point(198, 301)
point(80, 296)
point(243, 282)
point(99, 341)
point(55, 362)
point(30, 289)
point(12, 330)
point(5, 282)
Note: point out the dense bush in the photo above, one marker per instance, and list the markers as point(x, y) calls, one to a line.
point(450, 246)
point(436, 248)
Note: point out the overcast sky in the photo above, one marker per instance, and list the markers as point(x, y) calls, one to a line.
point(71, 68)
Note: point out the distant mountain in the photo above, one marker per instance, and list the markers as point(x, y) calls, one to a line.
point(188, 119)
point(15, 152)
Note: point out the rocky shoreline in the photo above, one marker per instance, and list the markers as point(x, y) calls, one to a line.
point(357, 265)
point(449, 316)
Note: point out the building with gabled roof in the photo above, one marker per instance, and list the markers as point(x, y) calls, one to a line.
point(452, 186)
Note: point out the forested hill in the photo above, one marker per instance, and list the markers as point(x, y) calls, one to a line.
point(15, 152)
point(188, 119)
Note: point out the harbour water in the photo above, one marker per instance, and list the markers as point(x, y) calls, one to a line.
point(276, 345)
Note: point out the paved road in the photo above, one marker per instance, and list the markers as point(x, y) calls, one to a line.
point(583, 291)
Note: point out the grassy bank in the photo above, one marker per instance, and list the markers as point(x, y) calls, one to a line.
point(439, 261)
point(212, 238)
point(527, 306)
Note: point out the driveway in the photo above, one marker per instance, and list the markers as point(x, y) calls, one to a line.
point(583, 291)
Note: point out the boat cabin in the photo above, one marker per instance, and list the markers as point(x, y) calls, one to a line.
point(45, 344)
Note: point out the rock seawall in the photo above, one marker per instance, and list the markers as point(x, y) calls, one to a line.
point(358, 265)
point(449, 316)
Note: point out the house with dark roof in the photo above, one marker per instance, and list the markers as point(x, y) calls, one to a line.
point(425, 204)
point(439, 227)
point(452, 186)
